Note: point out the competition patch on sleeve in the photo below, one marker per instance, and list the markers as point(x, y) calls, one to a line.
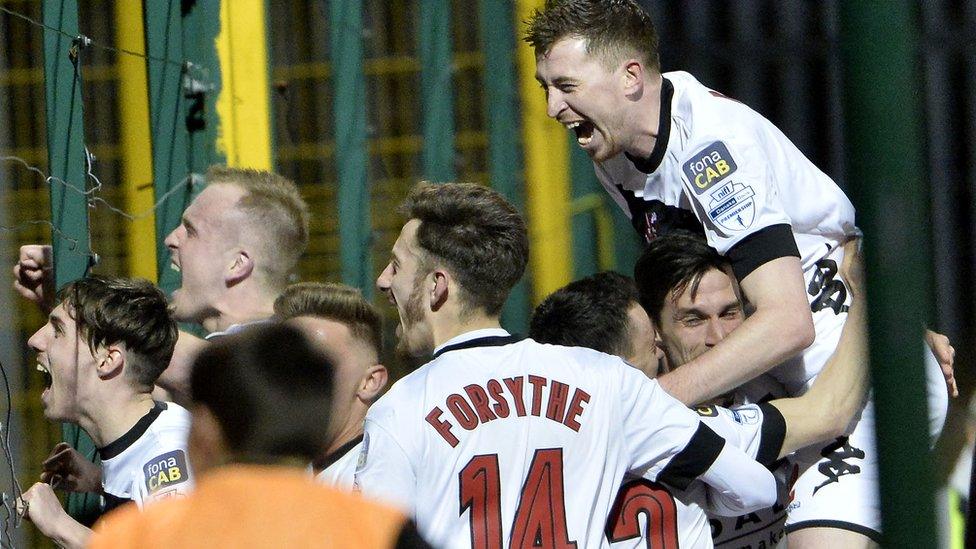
point(165, 470)
point(746, 416)
point(706, 411)
point(709, 166)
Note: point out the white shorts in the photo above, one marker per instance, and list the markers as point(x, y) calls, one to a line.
point(840, 488)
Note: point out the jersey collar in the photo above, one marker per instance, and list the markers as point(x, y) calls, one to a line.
point(122, 443)
point(653, 162)
point(327, 461)
point(489, 337)
point(236, 328)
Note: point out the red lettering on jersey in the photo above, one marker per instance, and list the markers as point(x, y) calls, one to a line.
point(462, 411)
point(537, 384)
point(500, 405)
point(576, 409)
point(514, 385)
point(442, 427)
point(558, 394)
point(479, 398)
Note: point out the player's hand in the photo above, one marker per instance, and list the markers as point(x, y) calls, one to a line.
point(852, 269)
point(66, 469)
point(34, 275)
point(946, 355)
point(40, 505)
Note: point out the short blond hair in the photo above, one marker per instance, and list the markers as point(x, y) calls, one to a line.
point(275, 210)
point(337, 302)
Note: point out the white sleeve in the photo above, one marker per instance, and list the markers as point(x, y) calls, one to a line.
point(756, 429)
point(729, 183)
point(736, 484)
point(384, 471)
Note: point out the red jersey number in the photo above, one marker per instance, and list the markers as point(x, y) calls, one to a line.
point(540, 520)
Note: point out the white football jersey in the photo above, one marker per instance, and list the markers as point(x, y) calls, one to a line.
point(149, 461)
point(646, 514)
point(340, 468)
point(504, 443)
point(722, 167)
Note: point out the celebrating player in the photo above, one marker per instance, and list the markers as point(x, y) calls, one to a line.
point(345, 327)
point(765, 431)
point(101, 351)
point(499, 442)
point(672, 153)
point(261, 401)
point(235, 247)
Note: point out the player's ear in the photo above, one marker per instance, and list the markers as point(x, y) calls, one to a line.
point(109, 360)
point(633, 78)
point(441, 289)
point(373, 383)
point(240, 268)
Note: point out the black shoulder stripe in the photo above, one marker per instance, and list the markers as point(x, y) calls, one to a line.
point(699, 454)
point(761, 247)
point(773, 433)
point(113, 502)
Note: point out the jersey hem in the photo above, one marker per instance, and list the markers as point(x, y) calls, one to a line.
point(871, 533)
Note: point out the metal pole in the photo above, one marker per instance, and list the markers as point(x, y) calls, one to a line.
point(504, 163)
point(69, 208)
point(879, 48)
point(349, 108)
point(436, 89)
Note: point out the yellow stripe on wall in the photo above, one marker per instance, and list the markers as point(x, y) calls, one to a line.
point(243, 105)
point(547, 182)
point(137, 175)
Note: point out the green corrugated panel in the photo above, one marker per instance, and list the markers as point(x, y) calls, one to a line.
point(181, 108)
point(69, 209)
point(436, 89)
point(346, 30)
point(879, 46)
point(501, 102)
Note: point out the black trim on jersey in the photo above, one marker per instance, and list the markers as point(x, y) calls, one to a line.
point(653, 162)
point(773, 433)
point(863, 530)
point(113, 502)
point(120, 444)
point(409, 538)
point(325, 462)
point(489, 341)
point(761, 247)
point(698, 455)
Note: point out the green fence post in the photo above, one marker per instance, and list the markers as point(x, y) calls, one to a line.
point(436, 89)
point(181, 109)
point(349, 108)
point(879, 48)
point(501, 101)
point(69, 208)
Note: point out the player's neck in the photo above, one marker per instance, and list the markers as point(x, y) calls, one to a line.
point(113, 417)
point(449, 330)
point(646, 119)
point(240, 306)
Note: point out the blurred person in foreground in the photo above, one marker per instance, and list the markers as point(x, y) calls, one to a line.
point(261, 401)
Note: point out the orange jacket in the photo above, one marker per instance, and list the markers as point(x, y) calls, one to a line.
point(255, 506)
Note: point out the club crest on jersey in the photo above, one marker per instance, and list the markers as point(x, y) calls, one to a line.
point(165, 470)
point(709, 166)
point(733, 206)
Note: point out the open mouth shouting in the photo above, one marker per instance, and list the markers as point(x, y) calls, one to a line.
point(48, 380)
point(583, 130)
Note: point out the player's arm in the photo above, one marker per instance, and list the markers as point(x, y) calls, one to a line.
point(41, 506)
point(175, 379)
point(835, 398)
point(667, 443)
point(780, 327)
